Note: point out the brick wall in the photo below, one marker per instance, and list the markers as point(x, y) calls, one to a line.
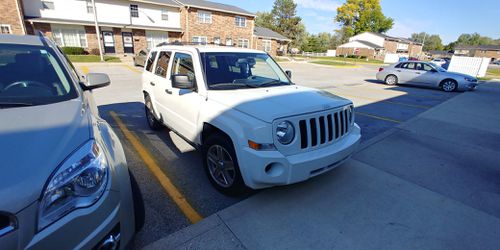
point(10, 16)
point(390, 46)
point(275, 45)
point(44, 28)
point(415, 50)
point(369, 53)
point(139, 39)
point(222, 26)
point(495, 55)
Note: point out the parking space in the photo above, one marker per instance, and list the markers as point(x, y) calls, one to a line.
point(169, 171)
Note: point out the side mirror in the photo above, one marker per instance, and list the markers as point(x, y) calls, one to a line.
point(182, 82)
point(95, 81)
point(289, 73)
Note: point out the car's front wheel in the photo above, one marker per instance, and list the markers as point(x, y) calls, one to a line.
point(221, 165)
point(391, 80)
point(153, 122)
point(449, 85)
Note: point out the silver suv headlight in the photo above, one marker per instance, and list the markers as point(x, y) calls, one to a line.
point(79, 182)
point(285, 132)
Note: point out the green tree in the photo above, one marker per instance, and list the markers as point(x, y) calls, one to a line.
point(324, 40)
point(287, 22)
point(357, 16)
point(474, 39)
point(266, 20)
point(431, 42)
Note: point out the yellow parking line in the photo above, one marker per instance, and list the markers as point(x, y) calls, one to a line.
point(85, 70)
point(391, 102)
point(148, 159)
point(132, 68)
point(377, 117)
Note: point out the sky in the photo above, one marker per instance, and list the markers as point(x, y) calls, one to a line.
point(447, 18)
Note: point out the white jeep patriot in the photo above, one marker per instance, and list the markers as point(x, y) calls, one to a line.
point(254, 126)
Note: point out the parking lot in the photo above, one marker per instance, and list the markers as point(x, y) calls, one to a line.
point(169, 171)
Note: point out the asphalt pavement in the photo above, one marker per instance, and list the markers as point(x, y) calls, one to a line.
point(169, 171)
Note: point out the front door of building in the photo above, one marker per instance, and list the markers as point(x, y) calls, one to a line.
point(109, 42)
point(128, 43)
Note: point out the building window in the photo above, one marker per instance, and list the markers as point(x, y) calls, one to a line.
point(90, 7)
point(217, 40)
point(266, 44)
point(5, 29)
point(134, 10)
point(200, 39)
point(48, 5)
point(69, 36)
point(243, 43)
point(164, 15)
point(240, 21)
point(229, 42)
point(204, 17)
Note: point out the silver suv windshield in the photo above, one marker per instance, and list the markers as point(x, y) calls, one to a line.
point(228, 70)
point(32, 75)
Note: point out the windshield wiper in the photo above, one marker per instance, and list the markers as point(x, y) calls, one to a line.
point(273, 83)
point(15, 104)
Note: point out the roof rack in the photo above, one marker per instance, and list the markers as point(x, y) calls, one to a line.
point(177, 43)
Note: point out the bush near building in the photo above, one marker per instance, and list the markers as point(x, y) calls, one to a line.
point(73, 50)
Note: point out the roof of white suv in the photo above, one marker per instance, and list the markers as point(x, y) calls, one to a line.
point(208, 48)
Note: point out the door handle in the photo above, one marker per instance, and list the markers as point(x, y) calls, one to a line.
point(418, 73)
point(168, 91)
point(398, 70)
point(152, 83)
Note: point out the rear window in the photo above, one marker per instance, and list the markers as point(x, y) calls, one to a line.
point(32, 75)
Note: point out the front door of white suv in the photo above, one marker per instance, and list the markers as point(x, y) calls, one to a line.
point(161, 84)
point(184, 104)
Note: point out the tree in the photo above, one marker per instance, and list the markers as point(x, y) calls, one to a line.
point(357, 16)
point(475, 39)
point(431, 42)
point(265, 19)
point(286, 20)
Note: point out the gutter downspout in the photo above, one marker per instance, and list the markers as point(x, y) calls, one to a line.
point(187, 23)
point(97, 31)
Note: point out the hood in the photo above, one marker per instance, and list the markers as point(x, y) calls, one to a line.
point(33, 142)
point(268, 104)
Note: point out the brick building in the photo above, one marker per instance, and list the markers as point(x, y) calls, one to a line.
point(489, 51)
point(376, 46)
point(127, 26)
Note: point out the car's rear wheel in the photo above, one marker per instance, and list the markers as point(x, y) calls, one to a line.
point(391, 80)
point(153, 122)
point(449, 85)
point(221, 165)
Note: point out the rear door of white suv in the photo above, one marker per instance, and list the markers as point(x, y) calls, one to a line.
point(161, 85)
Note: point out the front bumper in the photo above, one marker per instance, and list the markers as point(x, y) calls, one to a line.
point(261, 169)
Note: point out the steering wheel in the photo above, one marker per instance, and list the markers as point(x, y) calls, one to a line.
point(25, 84)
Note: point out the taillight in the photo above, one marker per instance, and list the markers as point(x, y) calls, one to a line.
point(380, 69)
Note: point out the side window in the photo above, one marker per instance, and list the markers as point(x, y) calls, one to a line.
point(409, 66)
point(427, 67)
point(403, 65)
point(183, 65)
point(151, 59)
point(162, 64)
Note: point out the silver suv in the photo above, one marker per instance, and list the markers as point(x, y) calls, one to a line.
point(64, 180)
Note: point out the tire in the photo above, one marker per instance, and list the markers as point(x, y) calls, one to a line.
point(153, 122)
point(391, 80)
point(228, 181)
point(139, 210)
point(449, 85)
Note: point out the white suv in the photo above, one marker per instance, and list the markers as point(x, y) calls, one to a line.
point(254, 126)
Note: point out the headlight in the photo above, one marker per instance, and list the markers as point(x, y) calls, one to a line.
point(285, 132)
point(470, 79)
point(79, 182)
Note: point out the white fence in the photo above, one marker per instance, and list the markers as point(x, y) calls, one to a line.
point(331, 52)
point(313, 54)
point(391, 58)
point(473, 66)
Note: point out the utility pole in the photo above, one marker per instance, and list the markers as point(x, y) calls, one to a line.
point(97, 31)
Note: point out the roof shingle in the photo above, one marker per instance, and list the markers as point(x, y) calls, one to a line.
point(215, 6)
point(267, 33)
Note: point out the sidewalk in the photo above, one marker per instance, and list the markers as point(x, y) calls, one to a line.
point(431, 183)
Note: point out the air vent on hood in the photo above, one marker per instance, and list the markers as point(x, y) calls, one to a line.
point(7, 224)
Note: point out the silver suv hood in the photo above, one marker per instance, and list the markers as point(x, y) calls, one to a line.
point(33, 142)
point(268, 104)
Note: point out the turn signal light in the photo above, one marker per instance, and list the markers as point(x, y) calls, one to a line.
point(261, 147)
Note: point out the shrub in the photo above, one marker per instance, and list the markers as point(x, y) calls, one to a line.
point(73, 50)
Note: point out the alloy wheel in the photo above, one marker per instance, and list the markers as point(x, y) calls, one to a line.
point(221, 166)
point(449, 86)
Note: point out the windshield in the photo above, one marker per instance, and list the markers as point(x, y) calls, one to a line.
point(242, 70)
point(438, 68)
point(32, 75)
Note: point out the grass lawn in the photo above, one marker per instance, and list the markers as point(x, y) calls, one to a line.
point(92, 58)
point(495, 72)
point(334, 63)
point(342, 59)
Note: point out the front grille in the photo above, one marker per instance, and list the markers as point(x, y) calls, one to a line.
point(326, 128)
